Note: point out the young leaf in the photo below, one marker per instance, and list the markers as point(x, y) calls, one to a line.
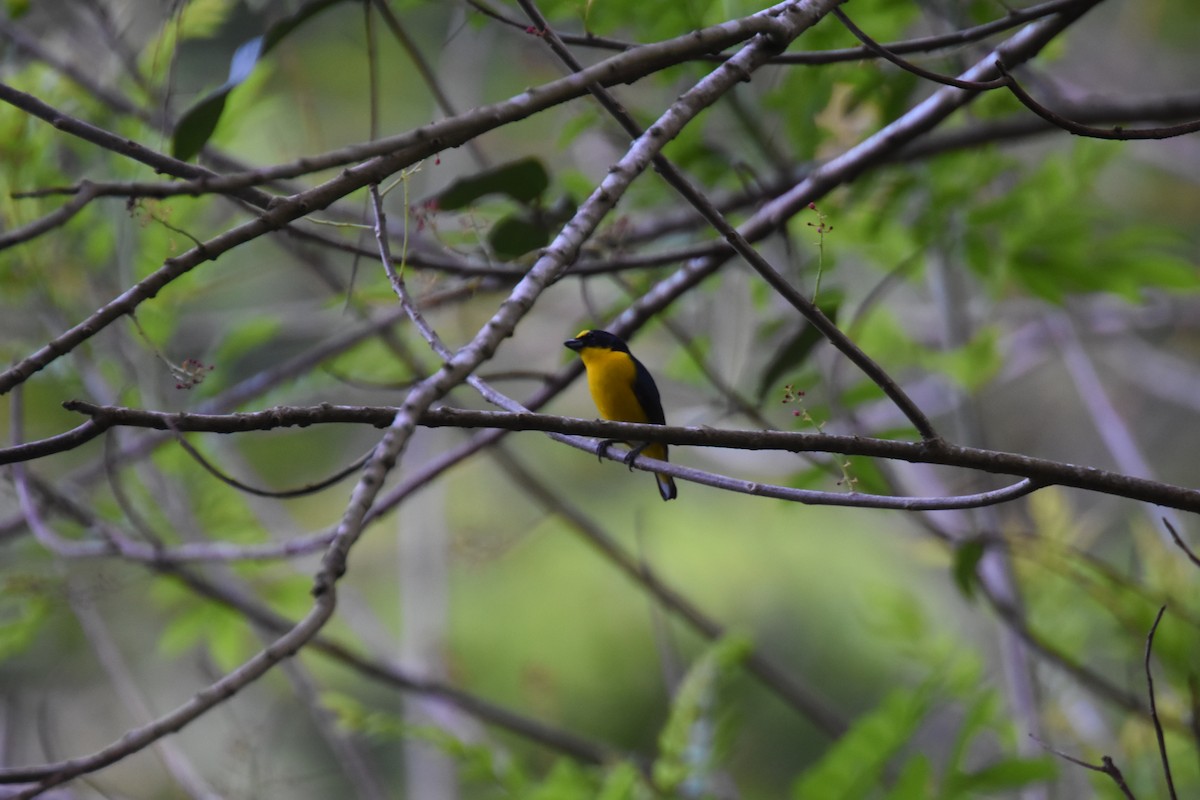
point(853, 765)
point(966, 561)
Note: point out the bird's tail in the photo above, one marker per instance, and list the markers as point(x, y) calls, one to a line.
point(666, 486)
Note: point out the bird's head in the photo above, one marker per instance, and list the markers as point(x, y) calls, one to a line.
point(596, 340)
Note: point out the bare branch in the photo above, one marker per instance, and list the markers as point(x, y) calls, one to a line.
point(908, 66)
point(1116, 133)
point(394, 676)
point(925, 44)
point(120, 145)
point(98, 635)
point(742, 246)
point(1158, 729)
point(1041, 472)
point(85, 194)
point(1191, 554)
point(926, 115)
point(1106, 766)
point(283, 494)
point(408, 148)
point(49, 775)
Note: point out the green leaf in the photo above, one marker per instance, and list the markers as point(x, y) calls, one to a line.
point(523, 180)
point(915, 781)
point(220, 629)
point(477, 763)
point(197, 124)
point(852, 767)
point(228, 643)
point(685, 743)
point(24, 605)
point(1004, 775)
point(971, 365)
point(566, 781)
point(202, 18)
point(246, 335)
point(979, 714)
point(967, 556)
point(622, 782)
point(518, 234)
point(792, 354)
point(575, 126)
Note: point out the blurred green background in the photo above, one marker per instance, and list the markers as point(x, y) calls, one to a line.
point(1035, 295)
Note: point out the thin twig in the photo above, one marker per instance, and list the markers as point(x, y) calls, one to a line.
point(1007, 80)
point(99, 636)
point(85, 193)
point(1179, 541)
point(1106, 766)
point(1116, 133)
point(408, 148)
point(427, 73)
point(299, 491)
point(1158, 728)
point(1093, 681)
point(925, 44)
point(908, 66)
point(136, 739)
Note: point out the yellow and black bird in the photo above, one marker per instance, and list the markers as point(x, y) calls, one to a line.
point(623, 391)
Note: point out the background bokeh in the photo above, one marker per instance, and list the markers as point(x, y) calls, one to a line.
point(1035, 293)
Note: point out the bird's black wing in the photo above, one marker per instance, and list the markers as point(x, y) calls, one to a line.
point(647, 394)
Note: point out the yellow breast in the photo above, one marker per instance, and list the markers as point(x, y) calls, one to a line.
point(610, 377)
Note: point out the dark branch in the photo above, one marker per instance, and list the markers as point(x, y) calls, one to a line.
point(1115, 133)
point(923, 44)
point(1158, 728)
point(908, 66)
point(1106, 766)
point(1039, 470)
point(1180, 543)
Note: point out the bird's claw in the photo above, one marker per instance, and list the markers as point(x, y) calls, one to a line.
point(633, 454)
point(602, 448)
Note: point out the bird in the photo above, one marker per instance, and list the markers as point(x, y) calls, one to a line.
point(623, 390)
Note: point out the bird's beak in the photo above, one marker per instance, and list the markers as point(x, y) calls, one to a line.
point(573, 344)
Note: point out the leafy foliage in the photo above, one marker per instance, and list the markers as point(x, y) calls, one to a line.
point(946, 263)
point(196, 126)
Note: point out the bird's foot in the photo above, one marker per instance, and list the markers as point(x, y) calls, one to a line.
point(602, 448)
point(634, 453)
